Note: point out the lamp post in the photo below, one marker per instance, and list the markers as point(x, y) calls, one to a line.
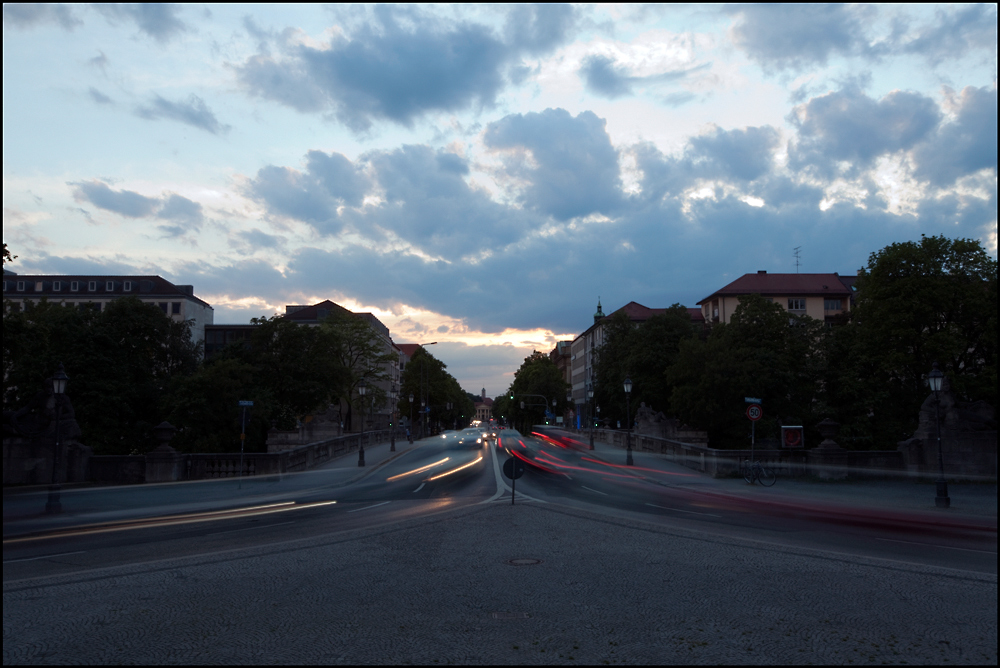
point(411, 418)
point(392, 418)
point(590, 416)
point(628, 421)
point(59, 381)
point(936, 379)
point(362, 389)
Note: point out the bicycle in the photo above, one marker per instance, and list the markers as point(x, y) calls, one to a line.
point(755, 471)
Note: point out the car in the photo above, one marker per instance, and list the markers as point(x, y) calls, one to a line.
point(472, 437)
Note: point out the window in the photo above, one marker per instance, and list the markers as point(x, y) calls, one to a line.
point(39, 286)
point(832, 304)
point(796, 304)
point(175, 308)
point(20, 286)
point(56, 286)
point(74, 286)
point(163, 307)
point(92, 286)
point(109, 286)
point(127, 287)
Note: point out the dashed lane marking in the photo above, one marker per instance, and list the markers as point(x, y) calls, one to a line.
point(596, 491)
point(678, 510)
point(368, 507)
point(943, 547)
point(47, 556)
point(419, 488)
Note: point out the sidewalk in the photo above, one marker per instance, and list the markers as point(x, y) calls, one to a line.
point(24, 507)
point(973, 505)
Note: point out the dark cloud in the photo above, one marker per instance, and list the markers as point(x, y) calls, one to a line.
point(313, 196)
point(954, 32)
point(29, 15)
point(793, 35)
point(740, 154)
point(848, 125)
point(124, 202)
point(193, 112)
point(159, 21)
point(257, 239)
point(99, 97)
point(181, 210)
point(388, 70)
point(966, 145)
point(100, 61)
point(577, 167)
point(604, 77)
point(539, 28)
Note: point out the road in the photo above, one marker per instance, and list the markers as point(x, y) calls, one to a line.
point(441, 485)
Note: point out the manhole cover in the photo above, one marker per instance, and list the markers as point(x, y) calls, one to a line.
point(524, 562)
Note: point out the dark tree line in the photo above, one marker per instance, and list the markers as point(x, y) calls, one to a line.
point(917, 303)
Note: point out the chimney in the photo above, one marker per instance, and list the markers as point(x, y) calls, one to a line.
point(761, 271)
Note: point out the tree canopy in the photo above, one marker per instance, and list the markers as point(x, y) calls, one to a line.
point(539, 384)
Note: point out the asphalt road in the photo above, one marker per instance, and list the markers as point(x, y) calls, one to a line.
point(442, 474)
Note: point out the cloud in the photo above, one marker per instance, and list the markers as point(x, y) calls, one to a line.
point(847, 125)
point(954, 32)
point(738, 154)
point(793, 36)
point(99, 97)
point(123, 202)
point(387, 70)
point(604, 77)
point(577, 169)
point(29, 15)
point(537, 29)
point(158, 21)
point(194, 112)
point(186, 215)
point(966, 145)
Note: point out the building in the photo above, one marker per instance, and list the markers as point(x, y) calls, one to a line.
point(484, 408)
point(218, 337)
point(584, 347)
point(820, 296)
point(86, 291)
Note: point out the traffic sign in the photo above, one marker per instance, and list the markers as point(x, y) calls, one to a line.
point(752, 400)
point(754, 412)
point(792, 436)
point(513, 468)
point(244, 402)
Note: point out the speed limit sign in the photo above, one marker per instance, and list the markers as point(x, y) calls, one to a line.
point(754, 412)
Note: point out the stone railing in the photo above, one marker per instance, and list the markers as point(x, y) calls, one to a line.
point(164, 464)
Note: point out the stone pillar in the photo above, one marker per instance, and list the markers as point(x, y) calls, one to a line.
point(164, 464)
point(828, 461)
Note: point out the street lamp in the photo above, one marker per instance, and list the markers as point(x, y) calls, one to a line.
point(59, 381)
point(936, 379)
point(392, 418)
point(628, 423)
point(590, 403)
point(410, 432)
point(362, 389)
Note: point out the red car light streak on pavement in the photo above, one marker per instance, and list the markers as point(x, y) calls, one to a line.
point(639, 468)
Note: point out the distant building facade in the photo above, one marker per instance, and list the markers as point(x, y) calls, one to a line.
point(820, 296)
point(177, 302)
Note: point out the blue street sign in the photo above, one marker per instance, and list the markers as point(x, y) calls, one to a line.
point(243, 402)
point(752, 400)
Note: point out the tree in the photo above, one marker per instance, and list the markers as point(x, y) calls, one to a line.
point(359, 354)
point(538, 375)
point(120, 362)
point(425, 377)
point(762, 352)
point(917, 303)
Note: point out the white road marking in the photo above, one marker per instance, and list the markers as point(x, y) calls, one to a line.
point(47, 556)
point(367, 507)
point(596, 491)
point(418, 488)
point(279, 524)
point(943, 547)
point(678, 510)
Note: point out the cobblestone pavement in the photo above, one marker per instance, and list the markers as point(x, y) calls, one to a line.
point(441, 590)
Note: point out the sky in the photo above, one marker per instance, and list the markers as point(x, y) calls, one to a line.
point(478, 176)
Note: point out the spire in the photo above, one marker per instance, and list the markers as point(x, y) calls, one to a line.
point(600, 314)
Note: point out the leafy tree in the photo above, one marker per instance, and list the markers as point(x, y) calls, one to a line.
point(762, 352)
point(425, 376)
point(358, 353)
point(7, 257)
point(917, 303)
point(538, 375)
point(120, 362)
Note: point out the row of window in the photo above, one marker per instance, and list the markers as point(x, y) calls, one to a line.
point(168, 308)
point(73, 286)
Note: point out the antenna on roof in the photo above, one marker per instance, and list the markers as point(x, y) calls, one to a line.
point(797, 252)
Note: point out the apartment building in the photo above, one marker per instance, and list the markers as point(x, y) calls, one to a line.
point(96, 292)
point(819, 296)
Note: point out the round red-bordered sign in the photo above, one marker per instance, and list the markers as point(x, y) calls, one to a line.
point(754, 412)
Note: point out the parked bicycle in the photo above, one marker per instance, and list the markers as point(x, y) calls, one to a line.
point(757, 472)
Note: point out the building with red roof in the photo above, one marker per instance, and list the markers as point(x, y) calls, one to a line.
point(819, 296)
